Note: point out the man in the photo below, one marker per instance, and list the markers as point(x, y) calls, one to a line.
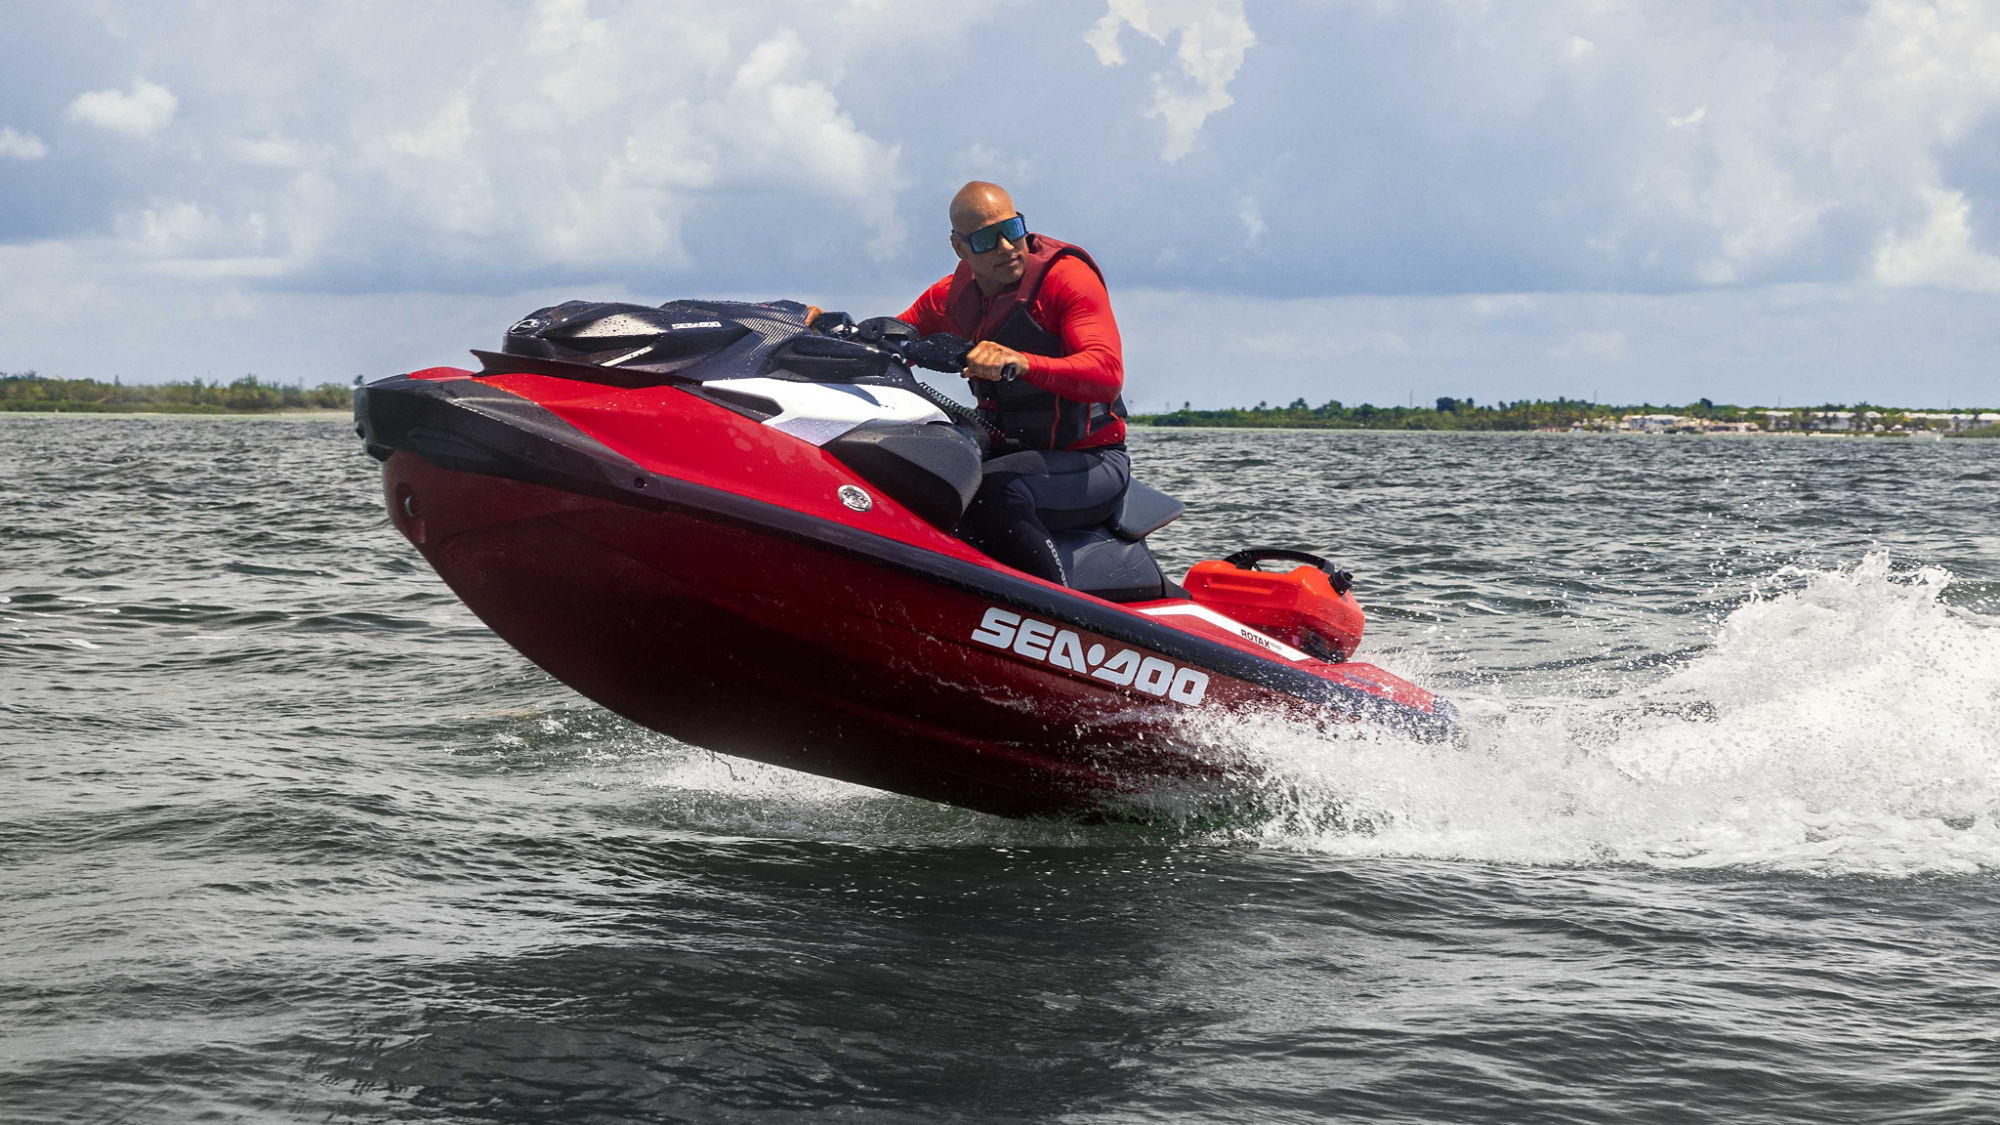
point(1047, 367)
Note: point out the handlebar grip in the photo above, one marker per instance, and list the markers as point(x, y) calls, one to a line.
point(1010, 372)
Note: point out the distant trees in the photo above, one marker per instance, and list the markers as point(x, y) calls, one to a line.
point(1448, 414)
point(28, 390)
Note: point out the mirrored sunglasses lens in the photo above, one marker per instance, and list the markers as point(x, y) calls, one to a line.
point(985, 239)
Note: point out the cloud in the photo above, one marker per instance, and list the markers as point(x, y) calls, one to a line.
point(556, 144)
point(1939, 252)
point(1570, 145)
point(1818, 147)
point(782, 121)
point(1498, 160)
point(1252, 218)
point(1579, 146)
point(142, 112)
point(982, 161)
point(1604, 344)
point(1791, 343)
point(21, 146)
point(1211, 38)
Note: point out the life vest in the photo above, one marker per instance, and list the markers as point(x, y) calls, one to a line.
point(1018, 409)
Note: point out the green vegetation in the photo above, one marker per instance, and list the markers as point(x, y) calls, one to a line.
point(29, 391)
point(1992, 431)
point(1448, 414)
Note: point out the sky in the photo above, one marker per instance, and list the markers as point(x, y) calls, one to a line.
point(1371, 201)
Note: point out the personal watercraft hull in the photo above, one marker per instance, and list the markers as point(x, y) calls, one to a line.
point(859, 644)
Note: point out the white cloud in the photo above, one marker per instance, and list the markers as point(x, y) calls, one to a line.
point(143, 111)
point(444, 136)
point(1252, 218)
point(1816, 141)
point(1796, 343)
point(275, 151)
point(561, 140)
point(1326, 342)
point(1211, 38)
point(21, 146)
point(1705, 153)
point(184, 239)
point(1493, 306)
point(1939, 252)
point(781, 121)
point(1604, 344)
point(981, 161)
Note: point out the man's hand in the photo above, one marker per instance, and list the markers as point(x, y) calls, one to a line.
point(986, 359)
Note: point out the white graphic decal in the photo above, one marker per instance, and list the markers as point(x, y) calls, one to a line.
point(1063, 648)
point(1229, 625)
point(698, 324)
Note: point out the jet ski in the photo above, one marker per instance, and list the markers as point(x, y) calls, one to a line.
point(731, 522)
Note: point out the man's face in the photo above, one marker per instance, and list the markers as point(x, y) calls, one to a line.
point(1001, 266)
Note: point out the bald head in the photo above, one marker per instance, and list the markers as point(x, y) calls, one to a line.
point(979, 204)
point(976, 206)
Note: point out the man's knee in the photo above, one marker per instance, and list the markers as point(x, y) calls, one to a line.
point(1005, 492)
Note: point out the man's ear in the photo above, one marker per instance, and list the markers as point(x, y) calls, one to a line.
point(958, 248)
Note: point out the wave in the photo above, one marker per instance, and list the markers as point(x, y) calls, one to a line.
point(1843, 721)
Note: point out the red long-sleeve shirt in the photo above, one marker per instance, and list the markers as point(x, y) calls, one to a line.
point(1073, 305)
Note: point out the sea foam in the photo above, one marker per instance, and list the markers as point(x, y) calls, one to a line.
point(1841, 721)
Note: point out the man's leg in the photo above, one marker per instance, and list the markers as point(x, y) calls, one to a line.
point(1023, 495)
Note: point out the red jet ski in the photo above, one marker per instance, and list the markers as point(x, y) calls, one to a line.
point(733, 526)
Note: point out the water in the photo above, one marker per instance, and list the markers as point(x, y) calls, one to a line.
point(288, 836)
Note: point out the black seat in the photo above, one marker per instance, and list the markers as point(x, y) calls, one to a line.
point(1111, 560)
point(1101, 562)
point(1146, 509)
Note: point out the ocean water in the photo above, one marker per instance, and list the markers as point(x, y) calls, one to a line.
point(287, 835)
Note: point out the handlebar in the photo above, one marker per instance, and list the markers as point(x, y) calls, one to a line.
point(940, 351)
point(945, 352)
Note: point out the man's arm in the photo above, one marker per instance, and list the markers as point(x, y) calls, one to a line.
point(927, 313)
point(1073, 304)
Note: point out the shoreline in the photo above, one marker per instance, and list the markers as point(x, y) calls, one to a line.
point(300, 414)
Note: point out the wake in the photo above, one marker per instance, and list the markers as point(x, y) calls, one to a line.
point(1842, 721)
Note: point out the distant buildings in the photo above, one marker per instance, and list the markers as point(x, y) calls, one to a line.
point(1815, 421)
point(1952, 423)
point(1680, 424)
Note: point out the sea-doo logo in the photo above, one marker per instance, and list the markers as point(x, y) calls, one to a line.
point(698, 324)
point(1039, 640)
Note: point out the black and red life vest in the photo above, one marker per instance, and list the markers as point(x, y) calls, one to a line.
point(1019, 410)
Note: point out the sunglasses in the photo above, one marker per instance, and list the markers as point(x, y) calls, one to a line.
point(984, 239)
